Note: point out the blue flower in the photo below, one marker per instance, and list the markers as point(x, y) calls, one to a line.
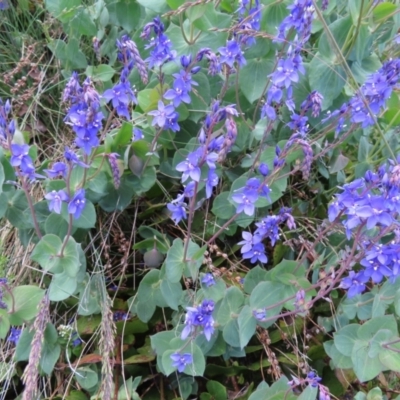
point(121, 95)
point(15, 334)
point(137, 134)
point(260, 314)
point(59, 169)
point(232, 53)
point(355, 283)
point(190, 167)
point(73, 159)
point(77, 203)
point(200, 316)
point(208, 280)
point(178, 94)
point(162, 114)
point(256, 253)
point(55, 200)
point(211, 182)
point(177, 209)
point(263, 169)
point(313, 379)
point(4, 5)
point(285, 73)
point(180, 361)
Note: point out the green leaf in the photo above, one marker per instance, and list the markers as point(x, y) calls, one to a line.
point(61, 287)
point(383, 299)
point(247, 325)
point(74, 56)
point(4, 324)
point(365, 367)
point(148, 99)
point(17, 204)
point(371, 327)
point(128, 14)
point(217, 390)
point(51, 350)
point(338, 359)
point(266, 294)
point(174, 262)
point(23, 348)
point(222, 208)
point(320, 73)
point(82, 23)
point(345, 339)
point(253, 278)
point(253, 78)
point(339, 30)
point(55, 224)
point(309, 393)
point(102, 73)
point(231, 304)
point(383, 11)
point(230, 333)
point(23, 304)
point(64, 10)
point(390, 357)
point(86, 377)
point(47, 254)
point(157, 6)
point(172, 293)
point(124, 135)
point(210, 18)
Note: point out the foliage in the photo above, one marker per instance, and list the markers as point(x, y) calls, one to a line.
point(216, 207)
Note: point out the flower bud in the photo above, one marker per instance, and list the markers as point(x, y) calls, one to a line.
point(153, 258)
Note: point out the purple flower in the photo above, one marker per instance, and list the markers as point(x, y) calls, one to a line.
point(256, 253)
point(260, 314)
point(231, 54)
point(263, 169)
point(178, 94)
point(285, 73)
point(137, 134)
point(313, 379)
point(59, 169)
point(180, 361)
point(200, 316)
point(178, 210)
point(73, 159)
point(211, 182)
point(55, 200)
point(77, 203)
point(248, 241)
point(15, 334)
point(121, 95)
point(208, 280)
point(355, 283)
point(190, 167)
point(162, 114)
point(20, 158)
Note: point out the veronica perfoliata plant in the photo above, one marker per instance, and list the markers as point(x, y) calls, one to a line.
point(211, 207)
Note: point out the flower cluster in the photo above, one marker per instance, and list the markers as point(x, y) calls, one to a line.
point(160, 44)
point(84, 113)
point(366, 104)
point(250, 15)
point(199, 317)
point(267, 228)
point(122, 95)
point(371, 204)
point(211, 150)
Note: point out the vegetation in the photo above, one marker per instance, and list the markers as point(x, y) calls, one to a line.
point(199, 199)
